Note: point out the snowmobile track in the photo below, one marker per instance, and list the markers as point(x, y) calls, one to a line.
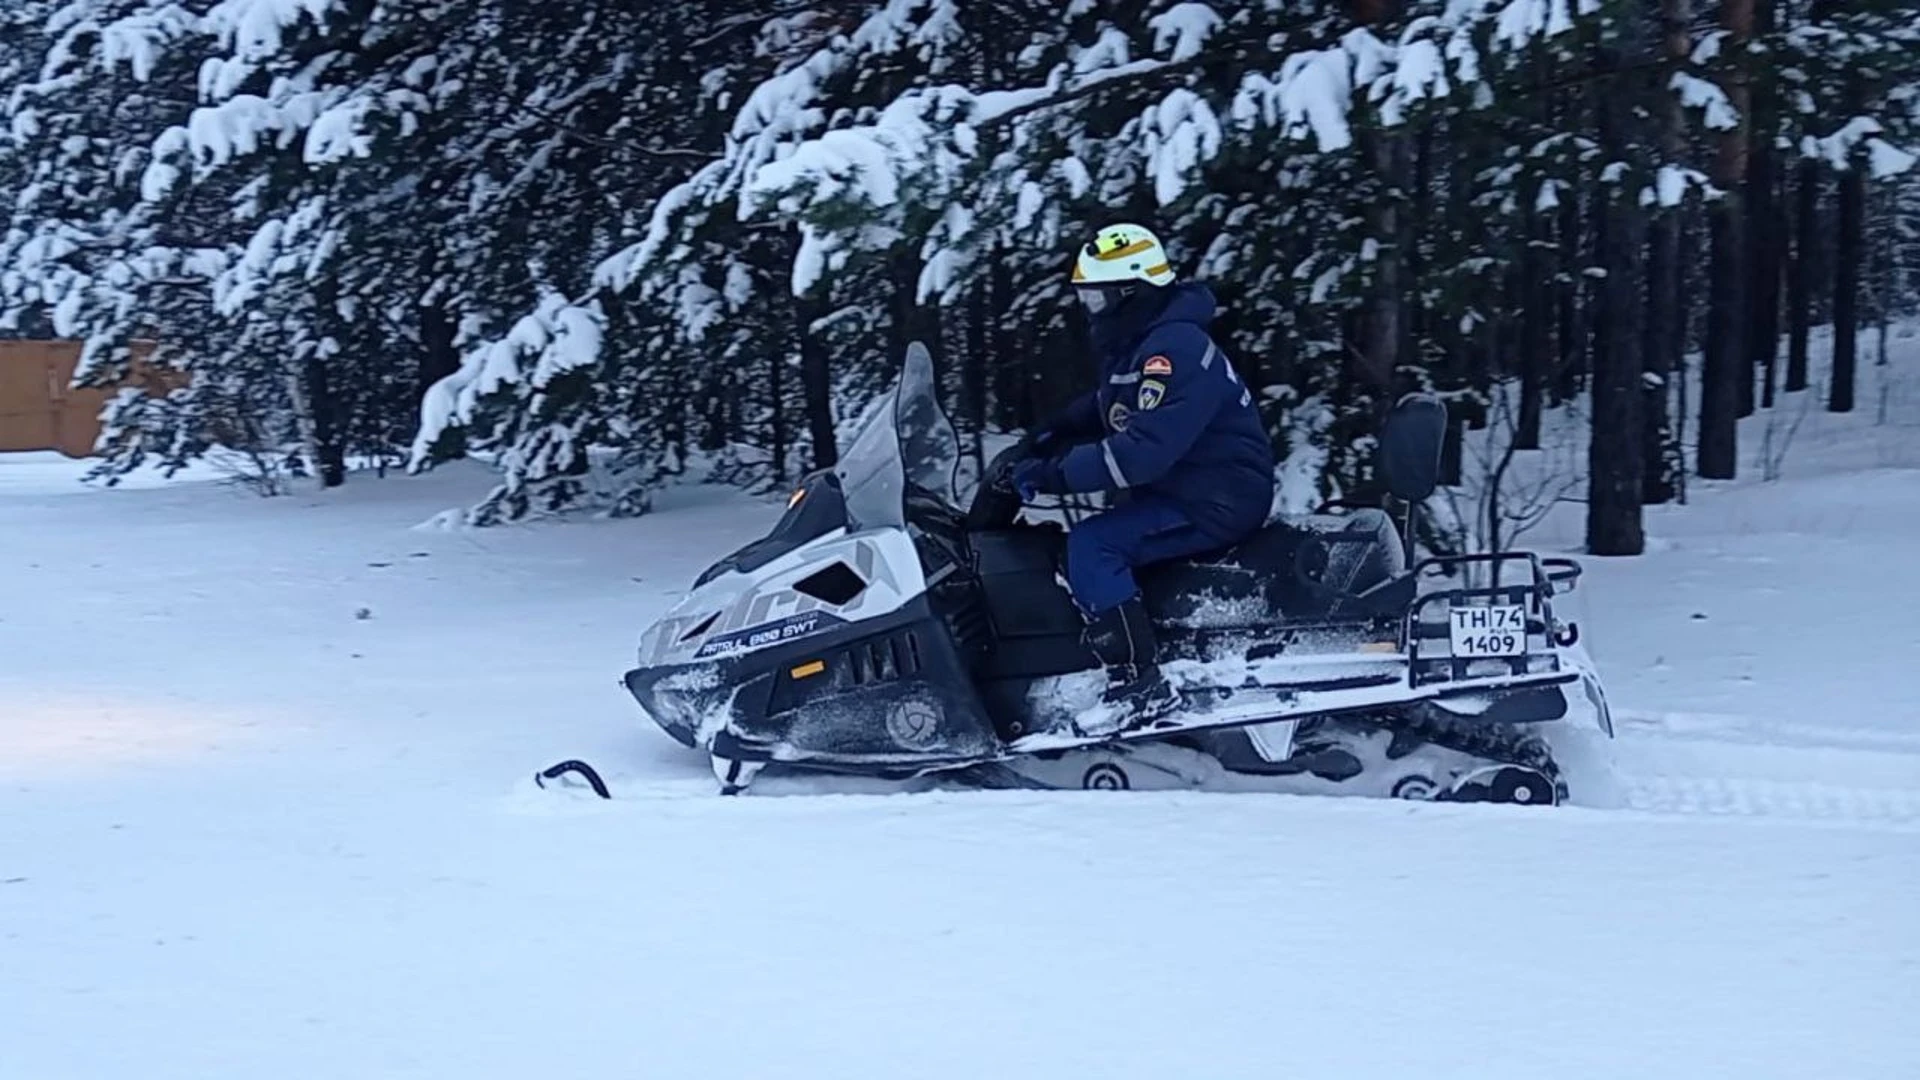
point(1691, 764)
point(1682, 766)
point(1723, 728)
point(1802, 799)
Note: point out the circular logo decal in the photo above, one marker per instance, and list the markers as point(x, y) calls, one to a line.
point(1118, 416)
point(914, 724)
point(1106, 776)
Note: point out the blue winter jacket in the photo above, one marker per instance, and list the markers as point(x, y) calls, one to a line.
point(1171, 418)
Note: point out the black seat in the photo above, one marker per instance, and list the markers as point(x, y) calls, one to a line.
point(1292, 569)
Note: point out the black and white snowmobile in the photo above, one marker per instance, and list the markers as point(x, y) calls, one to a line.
point(878, 630)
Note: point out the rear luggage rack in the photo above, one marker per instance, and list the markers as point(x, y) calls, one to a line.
point(1499, 630)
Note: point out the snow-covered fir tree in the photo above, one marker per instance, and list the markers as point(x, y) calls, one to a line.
point(603, 245)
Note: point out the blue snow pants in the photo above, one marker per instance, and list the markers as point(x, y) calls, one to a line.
point(1104, 550)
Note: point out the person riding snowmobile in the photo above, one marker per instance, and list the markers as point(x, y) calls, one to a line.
point(1173, 427)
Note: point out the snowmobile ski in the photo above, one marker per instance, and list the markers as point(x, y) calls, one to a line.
point(572, 767)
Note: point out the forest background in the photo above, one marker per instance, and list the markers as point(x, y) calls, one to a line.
point(609, 246)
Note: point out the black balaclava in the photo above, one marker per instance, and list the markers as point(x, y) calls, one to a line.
point(1121, 324)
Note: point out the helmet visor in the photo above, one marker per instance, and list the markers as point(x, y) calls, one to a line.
point(1102, 299)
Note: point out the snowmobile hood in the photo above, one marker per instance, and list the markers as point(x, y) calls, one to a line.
point(828, 582)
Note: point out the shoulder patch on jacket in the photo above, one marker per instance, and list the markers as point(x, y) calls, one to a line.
point(1151, 393)
point(1157, 364)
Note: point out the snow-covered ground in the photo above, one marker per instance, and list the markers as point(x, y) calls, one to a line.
point(264, 812)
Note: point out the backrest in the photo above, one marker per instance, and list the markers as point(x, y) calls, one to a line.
point(1296, 569)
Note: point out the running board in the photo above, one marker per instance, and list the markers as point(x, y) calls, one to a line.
point(1236, 708)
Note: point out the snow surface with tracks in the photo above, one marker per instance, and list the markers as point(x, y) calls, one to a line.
point(264, 810)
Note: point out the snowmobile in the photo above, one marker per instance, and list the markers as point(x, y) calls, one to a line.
point(881, 631)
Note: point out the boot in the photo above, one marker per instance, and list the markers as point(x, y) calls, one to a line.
point(1137, 693)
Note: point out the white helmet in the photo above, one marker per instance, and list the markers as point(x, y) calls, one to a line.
point(1121, 255)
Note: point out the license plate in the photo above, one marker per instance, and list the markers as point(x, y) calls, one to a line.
point(1488, 630)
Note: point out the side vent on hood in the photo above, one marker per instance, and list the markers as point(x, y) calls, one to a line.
point(885, 658)
point(702, 627)
point(836, 585)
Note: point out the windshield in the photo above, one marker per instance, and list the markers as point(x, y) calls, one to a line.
point(904, 441)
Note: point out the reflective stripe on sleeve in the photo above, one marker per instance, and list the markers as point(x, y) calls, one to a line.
point(1113, 464)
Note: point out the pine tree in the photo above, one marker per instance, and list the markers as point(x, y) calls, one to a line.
point(1618, 441)
point(606, 246)
point(1764, 222)
point(1666, 314)
point(1846, 289)
point(1800, 271)
point(1726, 363)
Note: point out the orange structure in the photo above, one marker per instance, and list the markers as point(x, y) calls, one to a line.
point(40, 409)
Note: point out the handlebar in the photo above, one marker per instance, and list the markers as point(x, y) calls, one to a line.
point(1563, 574)
point(995, 505)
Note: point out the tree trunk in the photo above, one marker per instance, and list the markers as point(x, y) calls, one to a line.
point(713, 415)
point(1572, 326)
point(1681, 411)
point(733, 406)
point(1661, 347)
point(1806, 224)
point(778, 436)
point(1616, 470)
point(329, 447)
point(1763, 225)
point(1666, 313)
point(1727, 360)
point(1416, 222)
point(438, 356)
point(1616, 455)
point(1534, 330)
point(1880, 365)
point(1015, 375)
point(1598, 214)
point(1846, 285)
point(816, 379)
point(1453, 447)
point(910, 320)
point(1384, 316)
point(973, 373)
point(1562, 227)
point(1724, 363)
point(1767, 328)
point(1385, 311)
point(1453, 450)
point(1885, 400)
point(1884, 211)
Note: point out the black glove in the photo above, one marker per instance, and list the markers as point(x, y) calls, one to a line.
point(1037, 476)
point(999, 475)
